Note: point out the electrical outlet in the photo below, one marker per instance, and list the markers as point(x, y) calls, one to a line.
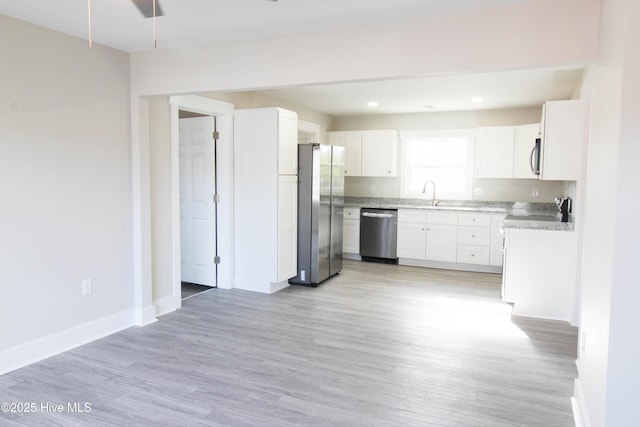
point(478, 191)
point(372, 189)
point(535, 192)
point(87, 287)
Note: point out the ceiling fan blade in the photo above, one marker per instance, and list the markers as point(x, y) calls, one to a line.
point(146, 7)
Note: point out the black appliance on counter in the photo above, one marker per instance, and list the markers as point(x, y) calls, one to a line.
point(564, 206)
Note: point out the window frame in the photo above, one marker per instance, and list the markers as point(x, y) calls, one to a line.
point(405, 170)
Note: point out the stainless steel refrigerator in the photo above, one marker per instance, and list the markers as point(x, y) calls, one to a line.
point(320, 212)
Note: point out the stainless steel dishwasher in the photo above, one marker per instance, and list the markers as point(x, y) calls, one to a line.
point(379, 235)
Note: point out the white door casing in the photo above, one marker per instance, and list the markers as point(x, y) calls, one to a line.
point(223, 112)
point(197, 213)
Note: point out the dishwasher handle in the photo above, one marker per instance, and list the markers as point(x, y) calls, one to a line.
point(378, 215)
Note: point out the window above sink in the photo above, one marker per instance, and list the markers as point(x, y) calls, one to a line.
point(444, 157)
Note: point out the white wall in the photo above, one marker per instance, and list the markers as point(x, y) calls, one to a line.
point(257, 99)
point(65, 186)
point(610, 349)
point(539, 33)
point(161, 225)
point(440, 120)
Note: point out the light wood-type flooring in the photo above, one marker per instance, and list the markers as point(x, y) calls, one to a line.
point(378, 345)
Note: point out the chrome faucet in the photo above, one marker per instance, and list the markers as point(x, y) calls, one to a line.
point(434, 202)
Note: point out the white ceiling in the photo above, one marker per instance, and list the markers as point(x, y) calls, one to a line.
point(506, 89)
point(119, 24)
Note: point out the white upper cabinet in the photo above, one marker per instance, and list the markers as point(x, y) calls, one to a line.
point(494, 152)
point(561, 132)
point(368, 152)
point(287, 141)
point(352, 143)
point(379, 153)
point(523, 150)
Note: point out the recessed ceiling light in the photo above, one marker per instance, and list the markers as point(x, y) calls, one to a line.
point(477, 99)
point(372, 104)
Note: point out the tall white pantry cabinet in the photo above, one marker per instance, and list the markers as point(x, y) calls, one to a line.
point(266, 194)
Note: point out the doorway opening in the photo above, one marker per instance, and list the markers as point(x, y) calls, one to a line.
point(209, 184)
point(198, 207)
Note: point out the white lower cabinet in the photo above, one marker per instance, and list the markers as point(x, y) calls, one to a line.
point(411, 240)
point(412, 232)
point(497, 238)
point(441, 242)
point(473, 254)
point(474, 238)
point(351, 231)
point(440, 238)
point(427, 236)
point(539, 272)
point(287, 227)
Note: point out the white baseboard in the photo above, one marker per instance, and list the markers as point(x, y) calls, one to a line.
point(42, 348)
point(580, 415)
point(275, 287)
point(145, 316)
point(450, 265)
point(166, 305)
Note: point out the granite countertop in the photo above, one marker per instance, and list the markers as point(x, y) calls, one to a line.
point(524, 223)
point(526, 212)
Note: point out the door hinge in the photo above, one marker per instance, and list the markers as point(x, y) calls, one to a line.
point(216, 260)
point(216, 198)
point(216, 135)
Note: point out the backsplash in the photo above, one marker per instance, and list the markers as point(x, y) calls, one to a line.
point(495, 190)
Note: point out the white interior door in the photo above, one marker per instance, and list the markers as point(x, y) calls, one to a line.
point(197, 208)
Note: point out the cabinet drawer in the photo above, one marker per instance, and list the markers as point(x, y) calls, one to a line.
point(473, 254)
point(444, 218)
point(474, 236)
point(352, 213)
point(412, 215)
point(480, 220)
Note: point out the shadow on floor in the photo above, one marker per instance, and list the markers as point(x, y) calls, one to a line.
point(191, 289)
